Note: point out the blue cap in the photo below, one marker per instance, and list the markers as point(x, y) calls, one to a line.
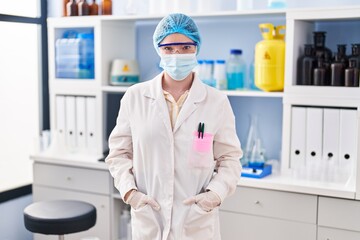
point(236, 51)
point(176, 23)
point(220, 61)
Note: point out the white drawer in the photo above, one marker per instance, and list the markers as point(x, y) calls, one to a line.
point(325, 233)
point(83, 179)
point(237, 226)
point(276, 204)
point(339, 213)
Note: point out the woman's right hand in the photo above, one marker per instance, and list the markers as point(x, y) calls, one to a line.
point(138, 199)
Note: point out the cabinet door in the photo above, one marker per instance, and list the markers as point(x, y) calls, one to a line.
point(249, 227)
point(325, 233)
point(102, 203)
point(339, 213)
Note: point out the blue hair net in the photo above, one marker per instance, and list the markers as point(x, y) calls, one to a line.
point(176, 23)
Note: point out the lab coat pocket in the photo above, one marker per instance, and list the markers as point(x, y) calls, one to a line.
point(144, 224)
point(199, 224)
point(200, 155)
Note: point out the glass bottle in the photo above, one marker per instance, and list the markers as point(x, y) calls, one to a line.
point(72, 8)
point(352, 75)
point(84, 8)
point(94, 8)
point(250, 141)
point(106, 7)
point(320, 73)
point(65, 8)
point(355, 54)
point(235, 70)
point(319, 46)
point(337, 72)
point(306, 66)
point(342, 55)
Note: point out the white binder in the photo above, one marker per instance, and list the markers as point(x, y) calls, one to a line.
point(331, 134)
point(348, 142)
point(81, 123)
point(70, 107)
point(298, 126)
point(60, 120)
point(91, 124)
point(330, 163)
point(314, 134)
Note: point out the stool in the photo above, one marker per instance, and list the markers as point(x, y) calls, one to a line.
point(59, 217)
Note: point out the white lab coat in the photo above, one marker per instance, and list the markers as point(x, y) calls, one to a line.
point(148, 155)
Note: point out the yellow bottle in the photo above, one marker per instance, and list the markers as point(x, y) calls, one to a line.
point(270, 58)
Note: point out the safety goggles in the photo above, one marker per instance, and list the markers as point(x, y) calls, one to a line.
point(179, 47)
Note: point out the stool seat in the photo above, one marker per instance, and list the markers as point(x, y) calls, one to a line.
point(59, 217)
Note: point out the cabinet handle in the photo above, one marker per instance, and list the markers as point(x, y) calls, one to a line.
point(102, 206)
point(68, 178)
point(257, 202)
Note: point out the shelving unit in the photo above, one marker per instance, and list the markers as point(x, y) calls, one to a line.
point(117, 37)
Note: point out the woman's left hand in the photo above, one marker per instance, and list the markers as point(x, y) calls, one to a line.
point(207, 201)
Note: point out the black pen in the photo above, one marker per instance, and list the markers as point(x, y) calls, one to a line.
point(199, 129)
point(202, 130)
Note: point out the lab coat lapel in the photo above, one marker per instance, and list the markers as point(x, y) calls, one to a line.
point(196, 95)
point(155, 92)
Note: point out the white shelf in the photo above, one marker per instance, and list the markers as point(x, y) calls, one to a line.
point(245, 93)
point(149, 17)
point(114, 89)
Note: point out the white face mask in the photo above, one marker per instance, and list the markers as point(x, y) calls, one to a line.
point(178, 66)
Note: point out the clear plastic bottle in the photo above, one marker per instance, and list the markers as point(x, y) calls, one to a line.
point(242, 5)
point(220, 74)
point(208, 77)
point(235, 70)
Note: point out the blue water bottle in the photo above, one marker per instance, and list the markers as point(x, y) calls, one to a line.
point(235, 70)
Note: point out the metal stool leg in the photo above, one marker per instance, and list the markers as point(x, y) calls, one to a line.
point(61, 237)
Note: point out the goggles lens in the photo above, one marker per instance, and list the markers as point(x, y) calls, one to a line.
point(180, 47)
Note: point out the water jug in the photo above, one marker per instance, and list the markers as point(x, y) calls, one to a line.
point(270, 58)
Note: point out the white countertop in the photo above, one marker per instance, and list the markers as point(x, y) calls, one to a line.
point(280, 182)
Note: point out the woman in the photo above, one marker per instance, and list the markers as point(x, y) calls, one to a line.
point(174, 152)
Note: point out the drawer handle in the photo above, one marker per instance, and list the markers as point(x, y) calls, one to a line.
point(68, 178)
point(257, 202)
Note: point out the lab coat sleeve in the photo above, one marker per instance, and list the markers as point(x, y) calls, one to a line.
point(227, 153)
point(120, 155)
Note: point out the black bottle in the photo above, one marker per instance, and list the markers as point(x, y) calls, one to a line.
point(337, 72)
point(342, 54)
point(319, 46)
point(320, 73)
point(306, 65)
point(355, 54)
point(352, 75)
